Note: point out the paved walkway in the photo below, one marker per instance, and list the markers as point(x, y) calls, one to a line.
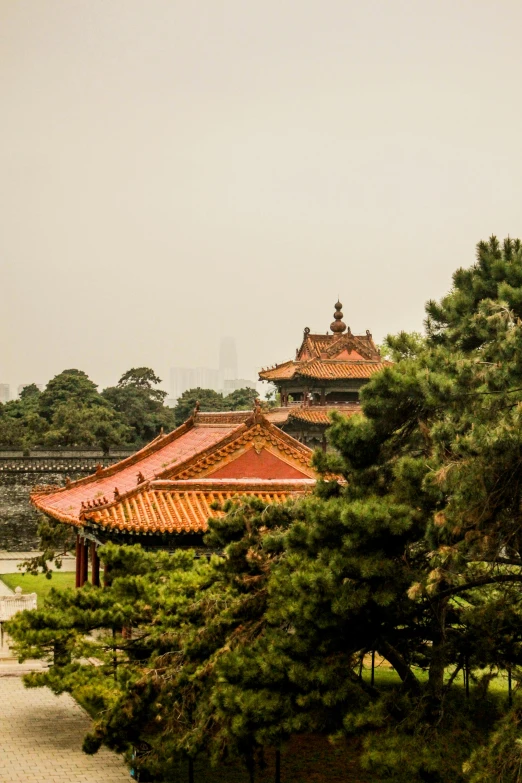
point(4, 589)
point(41, 734)
point(41, 737)
point(9, 561)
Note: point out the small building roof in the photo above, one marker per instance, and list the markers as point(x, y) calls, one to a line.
point(185, 506)
point(319, 414)
point(233, 445)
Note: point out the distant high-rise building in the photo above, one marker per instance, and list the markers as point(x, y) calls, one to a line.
point(227, 359)
point(233, 384)
point(184, 378)
point(4, 392)
point(223, 379)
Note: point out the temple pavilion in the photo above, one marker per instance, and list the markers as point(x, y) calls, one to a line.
point(327, 374)
point(162, 496)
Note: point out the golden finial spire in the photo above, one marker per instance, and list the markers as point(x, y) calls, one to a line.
point(338, 326)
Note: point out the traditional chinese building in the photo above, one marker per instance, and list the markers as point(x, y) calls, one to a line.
point(327, 374)
point(162, 495)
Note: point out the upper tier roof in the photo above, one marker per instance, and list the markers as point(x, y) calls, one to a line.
point(317, 369)
point(340, 355)
point(206, 444)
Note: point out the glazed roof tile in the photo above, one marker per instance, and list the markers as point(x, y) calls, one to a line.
point(161, 454)
point(339, 355)
point(159, 507)
point(280, 371)
point(321, 415)
point(323, 369)
point(278, 415)
point(199, 446)
point(316, 345)
point(340, 369)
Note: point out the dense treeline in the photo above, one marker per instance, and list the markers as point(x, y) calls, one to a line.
point(72, 412)
point(415, 553)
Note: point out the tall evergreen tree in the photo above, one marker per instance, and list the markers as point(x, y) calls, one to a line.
point(140, 404)
point(416, 552)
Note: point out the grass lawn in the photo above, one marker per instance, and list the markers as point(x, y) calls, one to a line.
point(39, 584)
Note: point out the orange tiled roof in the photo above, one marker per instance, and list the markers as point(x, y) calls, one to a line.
point(278, 415)
point(175, 448)
point(185, 506)
point(315, 346)
point(321, 415)
point(340, 369)
point(317, 414)
point(284, 371)
point(319, 369)
point(336, 356)
point(201, 445)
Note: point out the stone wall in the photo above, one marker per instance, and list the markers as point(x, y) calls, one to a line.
point(19, 473)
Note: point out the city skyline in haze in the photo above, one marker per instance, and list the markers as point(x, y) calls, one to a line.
point(176, 172)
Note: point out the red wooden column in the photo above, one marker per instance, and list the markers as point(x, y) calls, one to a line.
point(81, 559)
point(78, 556)
point(84, 557)
point(95, 566)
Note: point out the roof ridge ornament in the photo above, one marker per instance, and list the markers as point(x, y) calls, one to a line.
point(338, 326)
point(192, 418)
point(258, 413)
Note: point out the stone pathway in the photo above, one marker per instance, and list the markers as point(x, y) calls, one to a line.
point(4, 589)
point(41, 737)
point(41, 734)
point(9, 561)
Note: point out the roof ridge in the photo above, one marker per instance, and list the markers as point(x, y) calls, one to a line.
point(275, 433)
point(145, 451)
point(201, 455)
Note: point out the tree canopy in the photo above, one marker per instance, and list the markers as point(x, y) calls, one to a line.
point(140, 404)
point(71, 412)
point(414, 553)
point(210, 400)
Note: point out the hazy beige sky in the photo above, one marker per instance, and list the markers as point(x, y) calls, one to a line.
point(171, 172)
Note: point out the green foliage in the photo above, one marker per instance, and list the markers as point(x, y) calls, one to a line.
point(145, 379)
point(30, 396)
point(241, 399)
point(56, 541)
point(140, 405)
point(39, 584)
point(210, 400)
point(70, 412)
point(402, 346)
point(500, 760)
point(415, 554)
point(12, 430)
point(70, 386)
point(74, 424)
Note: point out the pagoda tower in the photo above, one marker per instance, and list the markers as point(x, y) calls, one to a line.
point(327, 374)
